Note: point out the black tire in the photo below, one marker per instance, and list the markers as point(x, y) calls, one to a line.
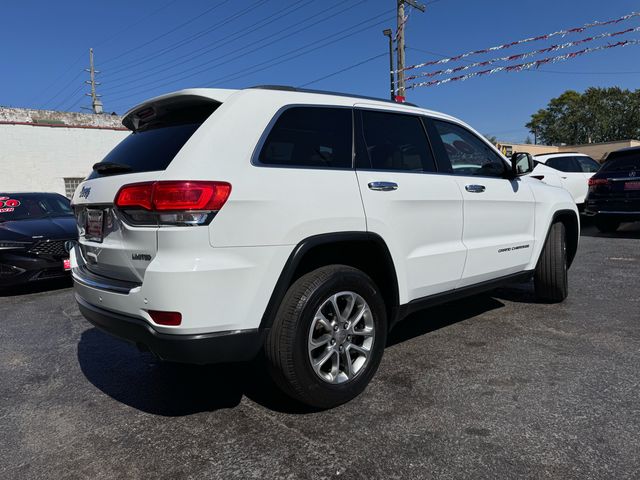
point(606, 225)
point(550, 276)
point(286, 345)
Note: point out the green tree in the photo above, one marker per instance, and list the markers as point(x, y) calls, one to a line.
point(597, 115)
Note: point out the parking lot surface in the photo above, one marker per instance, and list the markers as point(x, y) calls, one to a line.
point(494, 386)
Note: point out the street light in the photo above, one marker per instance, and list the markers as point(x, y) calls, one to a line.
point(389, 33)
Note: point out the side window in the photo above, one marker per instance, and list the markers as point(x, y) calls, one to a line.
point(393, 141)
point(310, 137)
point(467, 153)
point(588, 164)
point(564, 164)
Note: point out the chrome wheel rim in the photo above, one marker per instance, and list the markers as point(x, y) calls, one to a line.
point(341, 338)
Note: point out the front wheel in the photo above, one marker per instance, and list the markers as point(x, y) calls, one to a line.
point(550, 276)
point(328, 337)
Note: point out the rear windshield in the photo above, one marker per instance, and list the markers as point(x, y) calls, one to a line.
point(16, 206)
point(146, 150)
point(622, 162)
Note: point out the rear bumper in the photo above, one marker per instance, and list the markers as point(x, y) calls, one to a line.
point(622, 208)
point(202, 348)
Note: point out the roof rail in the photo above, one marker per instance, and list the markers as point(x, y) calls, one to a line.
point(556, 153)
point(288, 88)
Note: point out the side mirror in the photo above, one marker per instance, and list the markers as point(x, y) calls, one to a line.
point(521, 164)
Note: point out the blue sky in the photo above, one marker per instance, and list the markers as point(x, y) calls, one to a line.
point(145, 48)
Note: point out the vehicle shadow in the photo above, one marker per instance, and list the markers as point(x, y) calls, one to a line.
point(139, 380)
point(435, 318)
point(36, 287)
point(626, 230)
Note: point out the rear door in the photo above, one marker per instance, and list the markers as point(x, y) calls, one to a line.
point(110, 245)
point(416, 210)
point(498, 212)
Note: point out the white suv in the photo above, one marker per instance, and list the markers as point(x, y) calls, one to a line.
point(569, 170)
point(303, 225)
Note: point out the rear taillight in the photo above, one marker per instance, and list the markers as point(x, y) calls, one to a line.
point(172, 202)
point(166, 318)
point(598, 181)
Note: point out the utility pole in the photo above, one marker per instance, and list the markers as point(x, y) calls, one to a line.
point(400, 33)
point(389, 33)
point(96, 103)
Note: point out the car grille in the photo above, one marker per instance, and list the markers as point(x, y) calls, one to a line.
point(51, 248)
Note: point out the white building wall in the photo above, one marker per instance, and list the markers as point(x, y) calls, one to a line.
point(38, 158)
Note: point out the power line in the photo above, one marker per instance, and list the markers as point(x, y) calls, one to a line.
point(235, 53)
point(252, 69)
point(81, 56)
point(370, 59)
point(191, 38)
point(168, 32)
point(67, 85)
point(128, 27)
point(197, 54)
point(270, 63)
point(68, 97)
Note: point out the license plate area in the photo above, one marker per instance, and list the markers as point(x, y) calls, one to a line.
point(632, 186)
point(95, 225)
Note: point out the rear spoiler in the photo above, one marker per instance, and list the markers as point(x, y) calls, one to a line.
point(185, 106)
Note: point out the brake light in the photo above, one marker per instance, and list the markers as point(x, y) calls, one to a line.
point(136, 195)
point(172, 202)
point(598, 181)
point(166, 318)
point(190, 195)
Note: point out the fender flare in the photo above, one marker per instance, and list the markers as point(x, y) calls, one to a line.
point(303, 247)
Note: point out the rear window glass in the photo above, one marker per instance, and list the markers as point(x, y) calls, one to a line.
point(395, 142)
point(587, 164)
point(623, 162)
point(310, 137)
point(564, 164)
point(147, 150)
point(16, 206)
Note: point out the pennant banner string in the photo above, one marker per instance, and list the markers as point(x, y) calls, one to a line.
point(520, 56)
point(523, 66)
point(526, 40)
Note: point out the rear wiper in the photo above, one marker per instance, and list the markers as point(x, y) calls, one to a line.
point(111, 167)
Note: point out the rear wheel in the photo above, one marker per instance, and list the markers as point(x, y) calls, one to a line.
point(550, 276)
point(328, 337)
point(606, 225)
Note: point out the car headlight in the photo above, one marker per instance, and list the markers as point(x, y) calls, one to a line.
point(10, 245)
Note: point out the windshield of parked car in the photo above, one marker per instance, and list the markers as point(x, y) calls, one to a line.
point(16, 206)
point(624, 162)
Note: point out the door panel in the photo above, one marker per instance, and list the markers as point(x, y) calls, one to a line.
point(498, 227)
point(498, 213)
point(417, 211)
point(421, 221)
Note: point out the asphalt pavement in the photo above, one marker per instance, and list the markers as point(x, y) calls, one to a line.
point(495, 386)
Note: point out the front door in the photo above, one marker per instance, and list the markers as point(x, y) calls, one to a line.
point(498, 212)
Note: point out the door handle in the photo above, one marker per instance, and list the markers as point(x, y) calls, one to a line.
point(383, 186)
point(475, 188)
